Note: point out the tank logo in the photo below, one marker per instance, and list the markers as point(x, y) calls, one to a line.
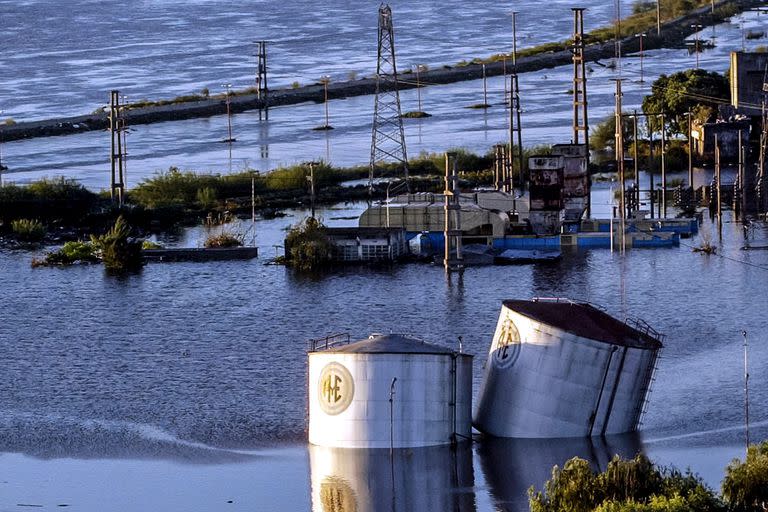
point(508, 346)
point(336, 389)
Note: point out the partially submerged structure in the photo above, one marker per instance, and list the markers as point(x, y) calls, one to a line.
point(558, 368)
point(388, 391)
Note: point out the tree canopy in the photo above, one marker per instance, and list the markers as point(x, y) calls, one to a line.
point(695, 89)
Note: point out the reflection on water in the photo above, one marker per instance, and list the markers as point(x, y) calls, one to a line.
point(433, 478)
point(444, 477)
point(511, 466)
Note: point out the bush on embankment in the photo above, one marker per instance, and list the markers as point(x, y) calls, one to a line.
point(46, 200)
point(28, 230)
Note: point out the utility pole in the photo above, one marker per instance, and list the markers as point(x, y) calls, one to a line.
point(325, 79)
point(580, 103)
point(746, 393)
point(641, 35)
point(452, 232)
point(649, 125)
point(690, 149)
point(636, 169)
point(227, 89)
point(663, 200)
point(117, 186)
point(498, 167)
point(485, 88)
point(387, 135)
point(696, 27)
point(658, 17)
point(719, 198)
point(418, 68)
point(2, 167)
point(311, 180)
point(620, 162)
point(261, 70)
point(515, 128)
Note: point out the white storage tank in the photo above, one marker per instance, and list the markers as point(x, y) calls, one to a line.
point(388, 391)
point(558, 368)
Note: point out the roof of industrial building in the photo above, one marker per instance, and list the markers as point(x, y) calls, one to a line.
point(586, 321)
point(391, 344)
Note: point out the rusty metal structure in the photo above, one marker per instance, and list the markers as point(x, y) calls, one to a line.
point(117, 151)
point(388, 135)
point(580, 103)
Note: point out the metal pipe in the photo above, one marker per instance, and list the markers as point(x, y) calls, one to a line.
point(392, 415)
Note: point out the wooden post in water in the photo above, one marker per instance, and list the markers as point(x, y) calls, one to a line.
point(311, 179)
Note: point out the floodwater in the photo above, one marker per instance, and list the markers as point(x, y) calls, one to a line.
point(183, 387)
point(286, 136)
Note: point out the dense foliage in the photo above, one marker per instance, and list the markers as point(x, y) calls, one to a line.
point(119, 252)
point(745, 487)
point(307, 247)
point(635, 485)
point(695, 89)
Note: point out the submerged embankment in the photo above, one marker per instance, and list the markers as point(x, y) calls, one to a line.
point(673, 33)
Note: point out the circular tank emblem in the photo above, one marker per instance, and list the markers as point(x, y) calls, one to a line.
point(508, 346)
point(336, 389)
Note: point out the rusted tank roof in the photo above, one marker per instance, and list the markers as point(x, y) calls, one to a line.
point(586, 321)
point(391, 344)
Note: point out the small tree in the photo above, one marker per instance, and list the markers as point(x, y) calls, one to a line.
point(745, 487)
point(676, 94)
point(119, 252)
point(307, 247)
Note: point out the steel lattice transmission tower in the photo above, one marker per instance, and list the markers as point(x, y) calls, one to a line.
point(388, 136)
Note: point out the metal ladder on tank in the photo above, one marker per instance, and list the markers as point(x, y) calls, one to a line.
point(648, 389)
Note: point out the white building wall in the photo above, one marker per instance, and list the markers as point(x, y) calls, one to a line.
point(423, 401)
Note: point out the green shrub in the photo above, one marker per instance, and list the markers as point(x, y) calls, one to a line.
point(118, 251)
point(635, 485)
point(28, 230)
point(71, 253)
point(206, 198)
point(307, 247)
point(745, 487)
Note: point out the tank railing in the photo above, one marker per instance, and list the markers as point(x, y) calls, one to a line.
point(568, 301)
point(642, 326)
point(330, 341)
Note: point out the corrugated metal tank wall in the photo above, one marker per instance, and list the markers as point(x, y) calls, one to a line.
point(550, 383)
point(423, 406)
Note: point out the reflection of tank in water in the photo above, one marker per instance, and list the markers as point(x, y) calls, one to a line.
point(558, 368)
point(359, 480)
point(511, 466)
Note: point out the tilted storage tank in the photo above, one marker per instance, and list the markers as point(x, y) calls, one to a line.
point(558, 368)
point(388, 390)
